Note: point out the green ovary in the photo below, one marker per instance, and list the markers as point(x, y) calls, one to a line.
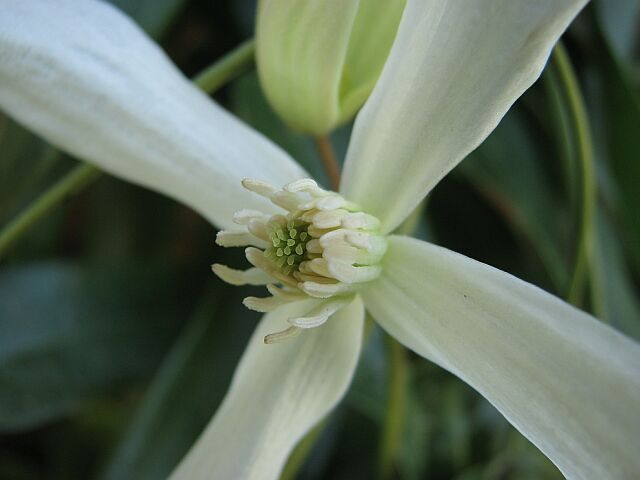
point(288, 244)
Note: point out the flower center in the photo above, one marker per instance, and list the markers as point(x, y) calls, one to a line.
point(323, 248)
point(288, 243)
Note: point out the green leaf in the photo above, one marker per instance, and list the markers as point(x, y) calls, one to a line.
point(507, 170)
point(619, 20)
point(622, 133)
point(27, 165)
point(68, 334)
point(368, 391)
point(187, 389)
point(615, 299)
point(413, 457)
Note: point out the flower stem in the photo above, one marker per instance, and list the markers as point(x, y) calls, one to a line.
point(211, 79)
point(390, 442)
point(329, 160)
point(584, 151)
point(399, 373)
point(233, 64)
point(70, 184)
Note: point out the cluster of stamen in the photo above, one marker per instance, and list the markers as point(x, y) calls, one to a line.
point(323, 248)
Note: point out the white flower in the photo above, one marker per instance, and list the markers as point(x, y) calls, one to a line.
point(320, 247)
point(88, 80)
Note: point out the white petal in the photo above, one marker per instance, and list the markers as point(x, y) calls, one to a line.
point(87, 79)
point(568, 382)
point(454, 70)
point(278, 393)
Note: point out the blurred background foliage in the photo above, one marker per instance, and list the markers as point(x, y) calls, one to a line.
point(117, 343)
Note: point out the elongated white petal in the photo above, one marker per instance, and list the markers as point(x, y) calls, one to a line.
point(568, 382)
point(278, 393)
point(87, 79)
point(454, 70)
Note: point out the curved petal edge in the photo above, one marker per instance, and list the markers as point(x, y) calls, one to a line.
point(87, 79)
point(454, 70)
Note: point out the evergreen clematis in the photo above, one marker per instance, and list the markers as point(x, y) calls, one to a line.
point(87, 79)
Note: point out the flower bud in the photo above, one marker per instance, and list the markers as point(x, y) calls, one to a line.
point(318, 60)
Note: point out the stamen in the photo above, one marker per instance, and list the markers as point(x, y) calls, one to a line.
point(281, 336)
point(360, 220)
point(348, 273)
point(286, 200)
point(244, 216)
point(306, 185)
point(320, 314)
point(261, 188)
point(316, 232)
point(329, 219)
point(320, 266)
point(321, 247)
point(258, 229)
point(313, 246)
point(228, 238)
point(266, 304)
point(289, 295)
point(374, 244)
point(258, 259)
point(326, 290)
point(252, 276)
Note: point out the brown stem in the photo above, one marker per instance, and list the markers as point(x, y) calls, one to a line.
point(328, 160)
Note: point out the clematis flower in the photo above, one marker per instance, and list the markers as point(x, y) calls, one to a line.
point(88, 80)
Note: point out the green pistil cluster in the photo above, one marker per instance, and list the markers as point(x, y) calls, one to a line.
point(288, 244)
